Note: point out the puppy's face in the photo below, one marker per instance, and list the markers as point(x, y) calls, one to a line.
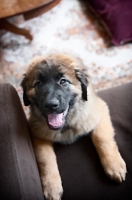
point(53, 84)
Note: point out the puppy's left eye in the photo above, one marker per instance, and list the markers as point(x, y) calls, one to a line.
point(63, 81)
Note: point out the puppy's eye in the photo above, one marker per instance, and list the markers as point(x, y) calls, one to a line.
point(38, 84)
point(63, 81)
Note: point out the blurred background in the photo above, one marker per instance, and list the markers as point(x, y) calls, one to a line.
point(61, 26)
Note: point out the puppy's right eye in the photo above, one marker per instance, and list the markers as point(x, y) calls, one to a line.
point(38, 84)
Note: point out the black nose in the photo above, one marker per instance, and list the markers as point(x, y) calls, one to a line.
point(52, 104)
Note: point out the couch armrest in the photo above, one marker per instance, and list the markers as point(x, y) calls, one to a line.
point(19, 176)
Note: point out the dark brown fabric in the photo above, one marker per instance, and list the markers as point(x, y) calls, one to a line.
point(19, 177)
point(82, 174)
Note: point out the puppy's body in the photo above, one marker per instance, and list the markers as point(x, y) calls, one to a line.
point(63, 107)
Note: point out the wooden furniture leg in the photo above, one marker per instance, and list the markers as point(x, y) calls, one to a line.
point(4, 24)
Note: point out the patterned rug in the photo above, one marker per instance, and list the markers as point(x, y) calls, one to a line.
point(69, 28)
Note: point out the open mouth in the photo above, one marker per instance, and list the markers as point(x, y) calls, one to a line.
point(57, 121)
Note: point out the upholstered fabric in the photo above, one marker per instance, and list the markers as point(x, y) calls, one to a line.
point(82, 174)
point(116, 15)
point(19, 177)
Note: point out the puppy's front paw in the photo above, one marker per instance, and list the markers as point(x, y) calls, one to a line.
point(53, 188)
point(115, 167)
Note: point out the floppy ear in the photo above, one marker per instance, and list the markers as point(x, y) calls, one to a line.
point(82, 77)
point(24, 86)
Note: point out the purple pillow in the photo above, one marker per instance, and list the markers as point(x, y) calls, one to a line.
point(117, 16)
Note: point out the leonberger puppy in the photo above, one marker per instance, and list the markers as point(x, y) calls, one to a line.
point(63, 107)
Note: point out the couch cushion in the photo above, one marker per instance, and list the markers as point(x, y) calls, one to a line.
point(19, 176)
point(82, 174)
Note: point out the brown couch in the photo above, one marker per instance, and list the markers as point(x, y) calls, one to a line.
point(82, 174)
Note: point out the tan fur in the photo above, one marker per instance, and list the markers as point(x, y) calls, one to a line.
point(83, 118)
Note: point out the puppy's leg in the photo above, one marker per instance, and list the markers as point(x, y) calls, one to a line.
point(103, 139)
point(50, 177)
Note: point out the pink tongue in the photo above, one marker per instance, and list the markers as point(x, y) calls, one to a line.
point(55, 119)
